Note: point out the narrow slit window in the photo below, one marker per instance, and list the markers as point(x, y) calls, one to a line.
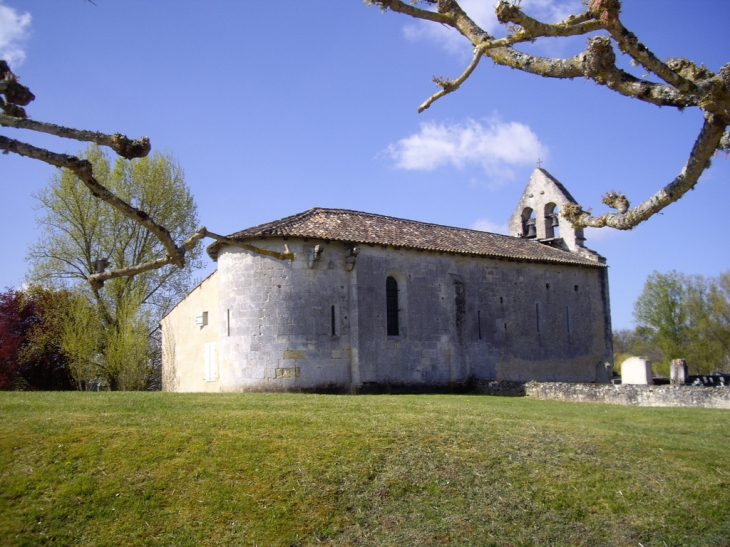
point(537, 317)
point(334, 332)
point(228, 322)
point(567, 318)
point(479, 324)
point(391, 300)
point(460, 308)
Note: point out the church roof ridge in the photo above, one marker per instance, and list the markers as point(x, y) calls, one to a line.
point(376, 229)
point(329, 210)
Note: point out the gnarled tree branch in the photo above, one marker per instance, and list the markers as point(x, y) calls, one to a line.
point(532, 28)
point(683, 84)
point(85, 172)
point(704, 147)
point(448, 86)
point(122, 145)
point(14, 97)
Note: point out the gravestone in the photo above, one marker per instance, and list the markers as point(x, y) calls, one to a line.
point(678, 372)
point(636, 370)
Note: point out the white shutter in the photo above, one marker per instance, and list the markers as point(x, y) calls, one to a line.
point(211, 364)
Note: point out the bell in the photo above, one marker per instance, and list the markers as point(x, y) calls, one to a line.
point(531, 232)
point(554, 221)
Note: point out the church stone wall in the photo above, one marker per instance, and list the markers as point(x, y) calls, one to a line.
point(461, 318)
point(279, 335)
point(190, 332)
point(516, 320)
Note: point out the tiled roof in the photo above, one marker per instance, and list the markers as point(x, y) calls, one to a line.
point(368, 228)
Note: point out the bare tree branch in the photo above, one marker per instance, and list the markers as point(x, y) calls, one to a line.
point(17, 96)
point(684, 83)
point(574, 25)
point(85, 172)
point(447, 86)
point(627, 42)
point(703, 149)
point(97, 279)
point(410, 9)
point(125, 147)
point(599, 64)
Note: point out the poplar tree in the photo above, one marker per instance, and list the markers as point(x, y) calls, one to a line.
point(107, 334)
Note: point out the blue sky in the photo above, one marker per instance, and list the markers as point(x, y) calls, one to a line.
point(276, 107)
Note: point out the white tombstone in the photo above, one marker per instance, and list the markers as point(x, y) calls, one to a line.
point(636, 370)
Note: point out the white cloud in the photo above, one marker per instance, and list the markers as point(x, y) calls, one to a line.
point(494, 145)
point(14, 30)
point(486, 225)
point(482, 13)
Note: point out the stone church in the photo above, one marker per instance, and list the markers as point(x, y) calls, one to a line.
point(331, 300)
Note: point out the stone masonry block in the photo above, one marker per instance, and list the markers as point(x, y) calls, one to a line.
point(294, 354)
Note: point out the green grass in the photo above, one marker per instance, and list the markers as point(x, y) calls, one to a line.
point(284, 470)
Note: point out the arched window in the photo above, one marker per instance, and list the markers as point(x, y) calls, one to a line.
point(528, 223)
point(391, 302)
point(552, 225)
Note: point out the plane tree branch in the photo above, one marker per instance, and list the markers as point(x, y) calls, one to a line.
point(122, 145)
point(709, 140)
point(84, 170)
point(13, 97)
point(681, 83)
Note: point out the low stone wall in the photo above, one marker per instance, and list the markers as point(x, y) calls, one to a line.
point(632, 395)
point(502, 388)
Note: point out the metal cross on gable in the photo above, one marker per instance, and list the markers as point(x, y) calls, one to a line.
point(539, 162)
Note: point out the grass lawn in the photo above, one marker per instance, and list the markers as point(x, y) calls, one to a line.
point(286, 470)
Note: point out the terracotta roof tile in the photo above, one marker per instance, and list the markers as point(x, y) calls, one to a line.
point(369, 228)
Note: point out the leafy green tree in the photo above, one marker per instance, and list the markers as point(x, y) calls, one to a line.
point(687, 317)
point(108, 333)
point(720, 301)
point(125, 355)
point(661, 308)
point(709, 307)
